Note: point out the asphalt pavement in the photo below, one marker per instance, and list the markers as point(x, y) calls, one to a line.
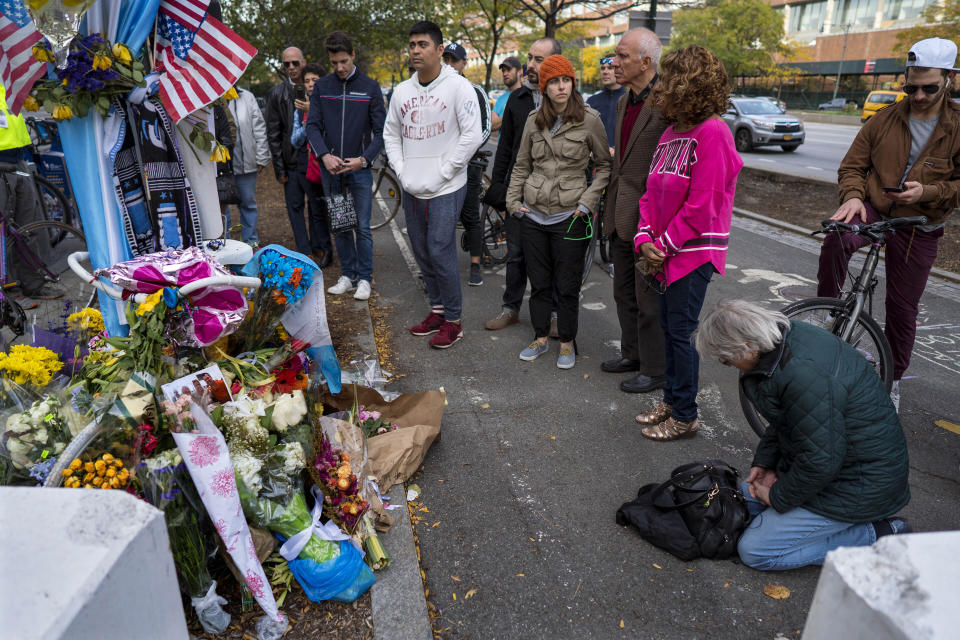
point(818, 157)
point(519, 538)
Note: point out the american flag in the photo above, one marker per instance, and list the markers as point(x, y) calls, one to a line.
point(200, 56)
point(19, 70)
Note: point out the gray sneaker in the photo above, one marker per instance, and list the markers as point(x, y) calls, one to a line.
point(566, 359)
point(895, 395)
point(534, 351)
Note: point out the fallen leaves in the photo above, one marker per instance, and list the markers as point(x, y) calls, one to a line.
point(454, 597)
point(434, 524)
point(469, 594)
point(455, 578)
point(776, 591)
point(656, 566)
point(520, 575)
point(485, 405)
point(621, 623)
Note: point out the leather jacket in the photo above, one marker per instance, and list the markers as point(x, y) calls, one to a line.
point(279, 127)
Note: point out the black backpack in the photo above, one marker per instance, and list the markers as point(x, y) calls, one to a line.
point(699, 512)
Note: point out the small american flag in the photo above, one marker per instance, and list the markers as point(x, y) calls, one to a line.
point(200, 56)
point(19, 70)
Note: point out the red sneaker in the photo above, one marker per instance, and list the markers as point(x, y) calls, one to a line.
point(449, 333)
point(430, 325)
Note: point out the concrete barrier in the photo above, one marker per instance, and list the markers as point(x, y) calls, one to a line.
point(827, 117)
point(85, 564)
point(903, 587)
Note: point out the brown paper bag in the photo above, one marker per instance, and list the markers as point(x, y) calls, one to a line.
point(395, 456)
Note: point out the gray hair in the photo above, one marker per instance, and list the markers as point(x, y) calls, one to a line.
point(736, 327)
point(647, 44)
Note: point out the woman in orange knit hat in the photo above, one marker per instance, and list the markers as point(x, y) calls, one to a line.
point(549, 191)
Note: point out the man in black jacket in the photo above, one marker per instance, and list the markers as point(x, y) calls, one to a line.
point(519, 105)
point(279, 116)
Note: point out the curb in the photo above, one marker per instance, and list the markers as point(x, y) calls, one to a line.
point(786, 226)
point(397, 598)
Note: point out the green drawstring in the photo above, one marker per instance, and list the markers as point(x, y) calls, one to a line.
point(589, 224)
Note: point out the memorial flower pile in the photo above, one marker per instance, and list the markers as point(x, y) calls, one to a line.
point(26, 365)
point(104, 472)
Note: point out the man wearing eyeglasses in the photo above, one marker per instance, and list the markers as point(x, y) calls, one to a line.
point(605, 100)
point(904, 162)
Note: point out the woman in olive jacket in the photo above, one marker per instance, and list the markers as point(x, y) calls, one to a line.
point(831, 469)
point(548, 190)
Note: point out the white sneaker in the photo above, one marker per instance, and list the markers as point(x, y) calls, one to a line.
point(895, 395)
point(343, 285)
point(363, 291)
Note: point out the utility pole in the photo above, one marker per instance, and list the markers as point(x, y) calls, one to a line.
point(843, 55)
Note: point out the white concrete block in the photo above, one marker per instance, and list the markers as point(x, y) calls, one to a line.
point(902, 588)
point(82, 564)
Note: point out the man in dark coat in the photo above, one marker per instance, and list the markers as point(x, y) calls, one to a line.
point(638, 130)
point(831, 469)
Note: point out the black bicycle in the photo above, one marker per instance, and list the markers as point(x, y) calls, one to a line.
point(850, 316)
point(494, 249)
point(597, 250)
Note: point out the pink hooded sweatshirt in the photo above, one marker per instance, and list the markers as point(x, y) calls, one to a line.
point(688, 204)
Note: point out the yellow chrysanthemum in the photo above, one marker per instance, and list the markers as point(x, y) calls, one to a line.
point(86, 321)
point(152, 300)
point(30, 104)
point(33, 365)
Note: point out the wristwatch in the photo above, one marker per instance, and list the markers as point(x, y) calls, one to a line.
point(363, 162)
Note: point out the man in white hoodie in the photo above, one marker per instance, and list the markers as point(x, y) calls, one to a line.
point(432, 131)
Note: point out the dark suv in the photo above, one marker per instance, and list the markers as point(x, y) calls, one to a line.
point(756, 122)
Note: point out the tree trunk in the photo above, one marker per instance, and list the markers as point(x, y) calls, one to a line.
point(550, 26)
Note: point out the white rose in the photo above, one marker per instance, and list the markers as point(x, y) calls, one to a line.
point(248, 468)
point(294, 459)
point(18, 423)
point(18, 452)
point(288, 410)
point(58, 448)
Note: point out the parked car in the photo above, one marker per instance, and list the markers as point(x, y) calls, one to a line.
point(756, 122)
point(878, 100)
point(837, 104)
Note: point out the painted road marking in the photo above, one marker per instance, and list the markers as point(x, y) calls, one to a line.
point(949, 426)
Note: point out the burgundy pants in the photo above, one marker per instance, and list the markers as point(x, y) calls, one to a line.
point(910, 254)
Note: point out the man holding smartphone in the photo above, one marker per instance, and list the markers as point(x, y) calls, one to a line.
point(904, 162)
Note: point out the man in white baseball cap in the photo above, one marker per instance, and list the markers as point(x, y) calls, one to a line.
point(904, 162)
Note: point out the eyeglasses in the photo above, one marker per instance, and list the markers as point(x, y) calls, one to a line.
point(291, 63)
point(929, 89)
point(606, 61)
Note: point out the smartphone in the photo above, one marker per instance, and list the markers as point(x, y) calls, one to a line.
point(300, 92)
point(893, 189)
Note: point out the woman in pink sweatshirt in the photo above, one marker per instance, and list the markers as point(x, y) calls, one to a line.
point(685, 221)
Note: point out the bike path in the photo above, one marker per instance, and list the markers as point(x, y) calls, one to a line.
point(534, 461)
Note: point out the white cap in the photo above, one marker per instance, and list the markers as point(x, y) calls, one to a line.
point(933, 53)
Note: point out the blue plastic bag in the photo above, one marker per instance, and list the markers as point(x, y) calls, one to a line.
point(342, 579)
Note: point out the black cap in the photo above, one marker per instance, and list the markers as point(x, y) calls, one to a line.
point(511, 62)
point(455, 50)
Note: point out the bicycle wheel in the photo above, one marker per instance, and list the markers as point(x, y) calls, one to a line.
point(604, 244)
point(832, 314)
point(56, 207)
point(494, 236)
point(386, 198)
point(51, 243)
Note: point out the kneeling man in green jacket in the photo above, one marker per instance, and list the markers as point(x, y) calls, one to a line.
point(831, 469)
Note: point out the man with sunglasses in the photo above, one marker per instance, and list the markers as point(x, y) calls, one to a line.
point(605, 100)
point(904, 162)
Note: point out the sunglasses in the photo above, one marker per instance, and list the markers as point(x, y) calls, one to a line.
point(291, 63)
point(606, 61)
point(929, 89)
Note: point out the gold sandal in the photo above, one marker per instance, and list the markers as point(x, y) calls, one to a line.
point(671, 429)
point(660, 413)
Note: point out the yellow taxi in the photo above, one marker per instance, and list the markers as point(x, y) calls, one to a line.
point(878, 100)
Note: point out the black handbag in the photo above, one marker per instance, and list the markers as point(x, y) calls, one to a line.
point(341, 210)
point(699, 512)
point(227, 189)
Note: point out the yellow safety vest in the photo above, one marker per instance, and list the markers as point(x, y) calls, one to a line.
point(14, 134)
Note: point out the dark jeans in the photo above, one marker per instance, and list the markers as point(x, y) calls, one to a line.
point(909, 256)
point(638, 309)
point(296, 189)
point(354, 246)
point(432, 229)
point(680, 308)
point(553, 262)
point(516, 265)
point(470, 214)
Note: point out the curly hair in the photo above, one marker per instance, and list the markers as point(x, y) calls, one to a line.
point(692, 87)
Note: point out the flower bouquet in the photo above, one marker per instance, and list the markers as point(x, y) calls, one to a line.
point(372, 423)
point(33, 438)
point(94, 73)
point(167, 486)
point(32, 367)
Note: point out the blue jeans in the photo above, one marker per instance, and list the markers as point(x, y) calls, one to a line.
point(355, 246)
point(318, 239)
point(432, 229)
point(776, 541)
point(247, 184)
point(680, 308)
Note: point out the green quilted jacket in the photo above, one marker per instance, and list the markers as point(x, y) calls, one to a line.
point(835, 439)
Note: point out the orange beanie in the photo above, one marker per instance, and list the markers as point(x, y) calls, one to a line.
point(555, 65)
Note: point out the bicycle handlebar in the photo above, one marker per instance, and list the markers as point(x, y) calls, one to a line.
point(874, 230)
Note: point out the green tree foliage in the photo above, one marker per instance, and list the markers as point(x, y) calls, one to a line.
point(480, 25)
point(941, 20)
point(378, 27)
point(747, 35)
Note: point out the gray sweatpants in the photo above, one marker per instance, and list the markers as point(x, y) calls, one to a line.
point(432, 229)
